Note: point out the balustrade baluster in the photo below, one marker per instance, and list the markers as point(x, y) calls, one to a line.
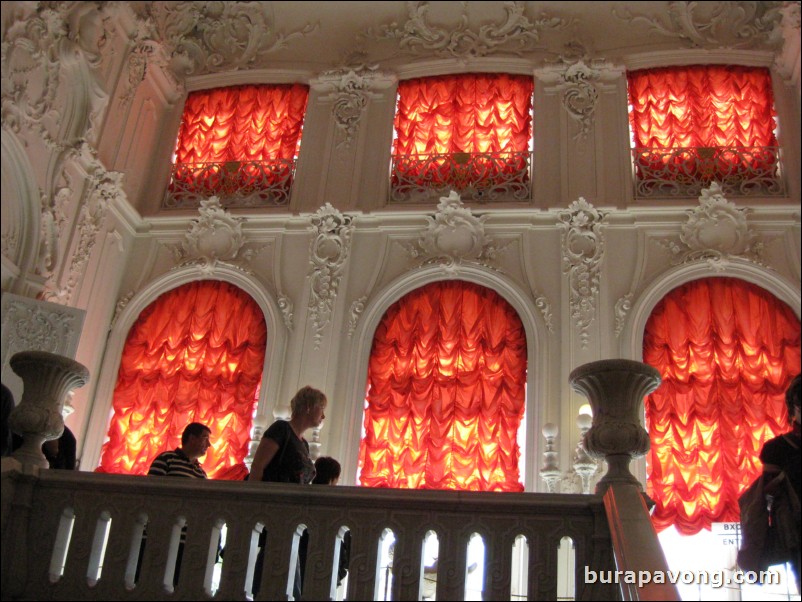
point(407, 557)
point(498, 563)
point(452, 563)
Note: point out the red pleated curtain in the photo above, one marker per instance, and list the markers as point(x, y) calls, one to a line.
point(240, 124)
point(703, 106)
point(726, 350)
point(446, 392)
point(196, 354)
point(466, 113)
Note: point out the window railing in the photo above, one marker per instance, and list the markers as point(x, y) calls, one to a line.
point(684, 172)
point(236, 183)
point(502, 176)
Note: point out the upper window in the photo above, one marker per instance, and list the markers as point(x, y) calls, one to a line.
point(471, 133)
point(239, 143)
point(695, 125)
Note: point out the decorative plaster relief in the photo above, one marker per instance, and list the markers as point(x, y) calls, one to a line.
point(286, 306)
point(350, 89)
point(543, 305)
point(715, 232)
point(40, 47)
point(357, 307)
point(622, 309)
point(103, 188)
point(33, 325)
point(714, 24)
point(576, 75)
point(204, 37)
point(583, 251)
point(329, 251)
point(788, 59)
point(215, 237)
point(454, 235)
point(516, 35)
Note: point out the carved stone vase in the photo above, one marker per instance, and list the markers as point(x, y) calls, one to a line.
point(615, 389)
point(47, 379)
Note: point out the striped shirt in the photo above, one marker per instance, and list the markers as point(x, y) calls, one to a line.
point(176, 464)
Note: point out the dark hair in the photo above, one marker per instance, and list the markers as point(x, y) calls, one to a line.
point(792, 396)
point(194, 429)
point(327, 469)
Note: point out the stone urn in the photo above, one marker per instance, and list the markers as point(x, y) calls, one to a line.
point(615, 389)
point(47, 379)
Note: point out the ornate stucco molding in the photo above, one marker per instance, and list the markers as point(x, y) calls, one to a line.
point(286, 306)
point(577, 76)
point(30, 324)
point(788, 58)
point(622, 308)
point(357, 308)
point(716, 231)
point(714, 24)
point(329, 252)
point(103, 188)
point(44, 47)
point(543, 305)
point(349, 89)
point(196, 38)
point(583, 251)
point(216, 237)
point(454, 236)
point(517, 34)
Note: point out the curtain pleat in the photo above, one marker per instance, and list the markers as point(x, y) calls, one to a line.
point(196, 354)
point(446, 392)
point(466, 113)
point(238, 124)
point(726, 350)
point(703, 106)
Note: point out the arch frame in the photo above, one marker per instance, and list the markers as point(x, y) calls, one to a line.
point(101, 410)
point(631, 342)
point(537, 387)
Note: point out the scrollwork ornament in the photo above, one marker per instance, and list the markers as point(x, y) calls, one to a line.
point(453, 236)
point(715, 24)
point(583, 251)
point(357, 307)
point(329, 252)
point(516, 35)
point(716, 231)
point(285, 304)
point(622, 309)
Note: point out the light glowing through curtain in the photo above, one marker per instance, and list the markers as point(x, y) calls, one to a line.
point(195, 354)
point(240, 124)
point(702, 106)
point(726, 350)
point(446, 392)
point(467, 113)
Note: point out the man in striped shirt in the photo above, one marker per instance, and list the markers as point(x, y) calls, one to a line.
point(183, 461)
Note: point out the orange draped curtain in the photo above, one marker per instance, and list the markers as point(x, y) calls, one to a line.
point(702, 106)
point(726, 350)
point(446, 392)
point(195, 354)
point(467, 113)
point(242, 123)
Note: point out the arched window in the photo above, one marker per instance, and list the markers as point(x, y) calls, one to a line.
point(239, 143)
point(470, 133)
point(195, 354)
point(699, 124)
point(726, 350)
point(446, 392)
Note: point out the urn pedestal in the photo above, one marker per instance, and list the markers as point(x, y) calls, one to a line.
point(47, 378)
point(615, 390)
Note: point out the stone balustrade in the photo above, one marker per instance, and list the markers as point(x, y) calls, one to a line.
point(76, 535)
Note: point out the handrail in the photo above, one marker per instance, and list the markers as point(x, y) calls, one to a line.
point(38, 511)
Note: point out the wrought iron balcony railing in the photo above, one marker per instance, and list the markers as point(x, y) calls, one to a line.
point(236, 183)
point(503, 176)
point(684, 172)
